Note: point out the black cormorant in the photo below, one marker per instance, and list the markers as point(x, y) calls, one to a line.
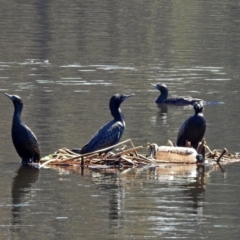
point(110, 133)
point(193, 129)
point(23, 138)
point(177, 100)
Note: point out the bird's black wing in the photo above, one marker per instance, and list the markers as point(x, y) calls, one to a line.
point(179, 100)
point(107, 136)
point(181, 137)
point(26, 144)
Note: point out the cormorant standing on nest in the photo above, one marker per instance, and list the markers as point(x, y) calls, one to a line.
point(110, 133)
point(177, 100)
point(23, 138)
point(193, 129)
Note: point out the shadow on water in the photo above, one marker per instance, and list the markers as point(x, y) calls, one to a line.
point(22, 191)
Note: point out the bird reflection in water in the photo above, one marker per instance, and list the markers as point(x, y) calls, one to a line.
point(165, 108)
point(23, 191)
point(111, 182)
point(189, 177)
point(196, 189)
point(106, 180)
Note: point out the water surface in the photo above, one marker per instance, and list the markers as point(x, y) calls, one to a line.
point(66, 59)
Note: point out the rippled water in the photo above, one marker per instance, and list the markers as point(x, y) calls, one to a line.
point(66, 59)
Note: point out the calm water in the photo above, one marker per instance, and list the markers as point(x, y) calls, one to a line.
point(66, 59)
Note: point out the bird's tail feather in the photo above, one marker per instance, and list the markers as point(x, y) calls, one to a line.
point(77, 150)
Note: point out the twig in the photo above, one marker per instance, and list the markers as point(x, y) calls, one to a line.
point(141, 161)
point(70, 152)
point(79, 157)
point(47, 162)
point(223, 152)
point(127, 151)
point(127, 160)
point(146, 159)
point(134, 147)
point(221, 168)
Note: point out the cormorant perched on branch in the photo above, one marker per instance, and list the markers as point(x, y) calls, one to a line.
point(193, 129)
point(110, 133)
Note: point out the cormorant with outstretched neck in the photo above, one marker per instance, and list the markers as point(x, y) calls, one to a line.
point(193, 129)
point(23, 138)
point(111, 133)
point(177, 100)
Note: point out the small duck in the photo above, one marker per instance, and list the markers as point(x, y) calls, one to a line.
point(24, 140)
point(193, 128)
point(176, 100)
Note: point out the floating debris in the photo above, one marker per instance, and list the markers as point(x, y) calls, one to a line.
point(126, 156)
point(172, 154)
point(223, 156)
point(123, 158)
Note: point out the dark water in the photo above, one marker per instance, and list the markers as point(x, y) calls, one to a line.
point(65, 59)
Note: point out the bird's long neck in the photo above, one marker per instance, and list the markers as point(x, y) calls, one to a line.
point(163, 95)
point(17, 115)
point(199, 114)
point(117, 114)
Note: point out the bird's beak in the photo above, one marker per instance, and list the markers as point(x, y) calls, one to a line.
point(154, 85)
point(8, 95)
point(128, 96)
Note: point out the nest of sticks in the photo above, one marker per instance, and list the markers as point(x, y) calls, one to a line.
point(126, 155)
point(223, 156)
